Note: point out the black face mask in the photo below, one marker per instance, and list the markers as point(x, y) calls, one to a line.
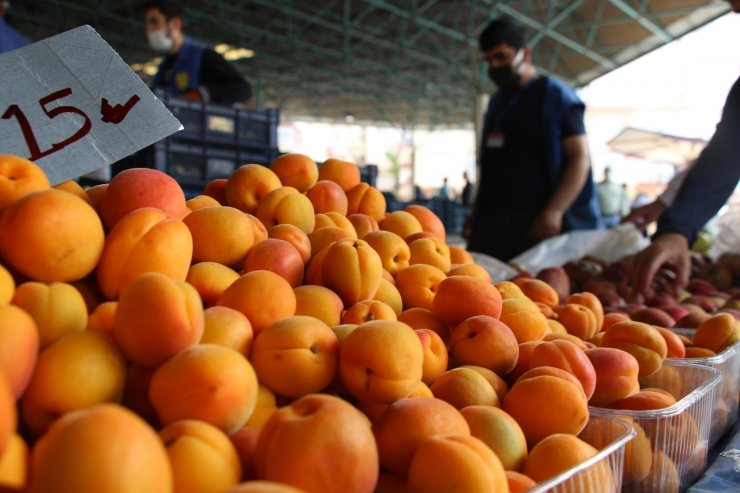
point(506, 76)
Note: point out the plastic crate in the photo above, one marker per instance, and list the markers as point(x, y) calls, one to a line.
point(727, 398)
point(670, 449)
point(603, 472)
point(369, 174)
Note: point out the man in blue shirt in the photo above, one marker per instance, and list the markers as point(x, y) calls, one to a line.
point(705, 189)
point(535, 179)
point(10, 39)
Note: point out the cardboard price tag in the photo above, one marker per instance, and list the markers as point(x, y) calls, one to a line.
point(72, 105)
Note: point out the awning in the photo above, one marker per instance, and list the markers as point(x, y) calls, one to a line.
point(656, 146)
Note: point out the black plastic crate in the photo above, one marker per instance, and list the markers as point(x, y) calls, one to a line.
point(369, 174)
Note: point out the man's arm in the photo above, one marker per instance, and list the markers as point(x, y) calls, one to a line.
point(220, 81)
point(575, 172)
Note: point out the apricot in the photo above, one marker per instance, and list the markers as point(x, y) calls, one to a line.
point(262, 487)
point(499, 384)
point(296, 170)
point(201, 202)
point(642, 341)
point(578, 320)
point(460, 256)
point(245, 443)
point(95, 196)
point(156, 318)
point(263, 296)
point(220, 234)
point(136, 393)
point(590, 301)
point(327, 196)
point(210, 279)
point(381, 361)
point(435, 355)
point(393, 251)
point(464, 387)
point(260, 230)
point(616, 375)
point(556, 336)
point(510, 290)
point(295, 442)
point(450, 462)
point(313, 274)
point(698, 352)
point(75, 372)
point(208, 382)
point(518, 482)
point(264, 408)
point(367, 310)
point(71, 186)
point(389, 294)
point(429, 221)
point(145, 240)
point(717, 333)
point(461, 297)
point(319, 302)
point(227, 327)
point(216, 188)
point(295, 356)
point(524, 319)
point(14, 464)
point(539, 291)
point(418, 285)
point(663, 476)
point(18, 178)
point(248, 185)
point(566, 356)
point(612, 318)
point(473, 270)
point(363, 224)
point(203, 458)
point(8, 413)
point(7, 286)
point(352, 269)
point(484, 341)
point(645, 399)
point(407, 423)
point(430, 251)
point(522, 363)
point(285, 205)
point(71, 457)
point(564, 400)
point(57, 309)
point(102, 317)
point(421, 318)
point(400, 223)
point(19, 346)
point(325, 236)
point(56, 236)
point(293, 235)
point(365, 199)
point(674, 344)
point(277, 256)
point(500, 432)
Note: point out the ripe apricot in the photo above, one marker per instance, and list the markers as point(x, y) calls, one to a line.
point(210, 279)
point(248, 185)
point(327, 196)
point(566, 356)
point(717, 333)
point(365, 199)
point(642, 341)
point(500, 432)
point(461, 297)
point(367, 310)
point(263, 296)
point(19, 346)
point(227, 327)
point(352, 269)
point(19, 177)
point(429, 221)
point(418, 285)
point(220, 234)
point(296, 170)
point(277, 256)
point(484, 341)
point(363, 224)
point(293, 235)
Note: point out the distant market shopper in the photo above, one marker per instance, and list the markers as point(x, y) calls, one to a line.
point(535, 180)
point(190, 69)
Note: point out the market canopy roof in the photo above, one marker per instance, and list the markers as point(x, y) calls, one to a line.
point(657, 146)
point(401, 62)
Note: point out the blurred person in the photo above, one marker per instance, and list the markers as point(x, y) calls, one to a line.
point(190, 69)
point(467, 191)
point(535, 180)
point(705, 189)
point(10, 39)
point(611, 199)
point(444, 191)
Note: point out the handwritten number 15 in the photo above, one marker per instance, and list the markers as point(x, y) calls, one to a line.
point(33, 146)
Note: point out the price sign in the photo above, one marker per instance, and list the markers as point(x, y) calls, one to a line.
point(72, 105)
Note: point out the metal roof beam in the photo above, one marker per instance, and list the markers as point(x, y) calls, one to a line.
point(642, 20)
point(572, 6)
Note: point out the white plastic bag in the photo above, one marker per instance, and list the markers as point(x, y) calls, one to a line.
point(498, 270)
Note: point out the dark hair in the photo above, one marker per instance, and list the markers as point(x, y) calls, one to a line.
point(502, 30)
point(169, 8)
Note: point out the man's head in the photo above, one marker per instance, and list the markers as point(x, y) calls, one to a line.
point(4, 6)
point(504, 47)
point(164, 25)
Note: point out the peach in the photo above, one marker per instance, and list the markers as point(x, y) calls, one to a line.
point(296, 170)
point(642, 341)
point(285, 205)
point(560, 452)
point(323, 237)
point(352, 269)
point(461, 297)
point(57, 309)
point(263, 296)
point(203, 458)
point(327, 196)
point(407, 423)
point(293, 235)
point(102, 318)
point(56, 236)
point(365, 199)
point(156, 318)
point(201, 202)
point(558, 392)
point(71, 186)
point(295, 442)
point(435, 355)
point(145, 240)
point(220, 234)
point(389, 294)
point(264, 408)
point(616, 375)
point(470, 270)
point(464, 387)
point(421, 318)
point(418, 285)
point(393, 251)
point(675, 345)
point(590, 301)
point(344, 173)
point(500, 432)
point(484, 341)
point(14, 465)
point(77, 371)
point(19, 345)
point(210, 279)
point(248, 185)
point(367, 310)
point(578, 320)
point(400, 223)
point(7, 286)
point(456, 462)
point(295, 356)
point(227, 327)
point(208, 382)
point(8, 413)
point(277, 256)
point(381, 361)
point(431, 251)
point(428, 220)
point(319, 302)
point(71, 457)
point(216, 188)
point(363, 224)
point(566, 356)
point(18, 178)
point(718, 332)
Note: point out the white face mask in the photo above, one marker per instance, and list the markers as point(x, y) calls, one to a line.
point(159, 41)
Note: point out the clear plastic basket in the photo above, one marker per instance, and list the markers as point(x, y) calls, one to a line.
point(727, 396)
point(670, 449)
point(601, 473)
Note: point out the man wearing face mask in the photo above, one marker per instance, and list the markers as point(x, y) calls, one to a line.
point(535, 179)
point(190, 69)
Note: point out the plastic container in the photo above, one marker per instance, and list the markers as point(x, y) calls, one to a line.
point(670, 449)
point(727, 396)
point(603, 472)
